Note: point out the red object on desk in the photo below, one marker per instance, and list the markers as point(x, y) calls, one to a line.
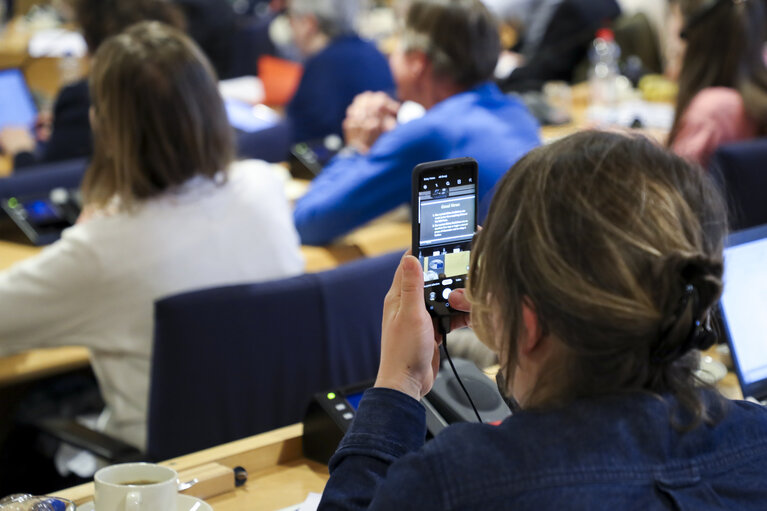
point(280, 78)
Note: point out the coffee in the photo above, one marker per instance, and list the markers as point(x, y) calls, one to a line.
point(136, 486)
point(140, 482)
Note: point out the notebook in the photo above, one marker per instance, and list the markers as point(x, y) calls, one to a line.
point(17, 108)
point(744, 308)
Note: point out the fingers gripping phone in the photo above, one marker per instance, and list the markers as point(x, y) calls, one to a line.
point(444, 206)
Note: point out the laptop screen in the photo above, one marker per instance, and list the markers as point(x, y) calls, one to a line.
point(16, 105)
point(744, 307)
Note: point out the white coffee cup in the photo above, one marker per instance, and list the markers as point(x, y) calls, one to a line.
point(136, 487)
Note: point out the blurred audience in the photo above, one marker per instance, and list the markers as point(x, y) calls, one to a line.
point(339, 66)
point(66, 133)
point(555, 37)
point(723, 81)
point(445, 56)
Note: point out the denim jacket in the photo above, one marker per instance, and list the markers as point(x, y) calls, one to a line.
point(617, 453)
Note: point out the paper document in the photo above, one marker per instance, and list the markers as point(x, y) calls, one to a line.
point(57, 42)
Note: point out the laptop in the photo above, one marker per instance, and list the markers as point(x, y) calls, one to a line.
point(17, 107)
point(744, 308)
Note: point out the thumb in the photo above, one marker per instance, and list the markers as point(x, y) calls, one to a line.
point(412, 284)
point(459, 301)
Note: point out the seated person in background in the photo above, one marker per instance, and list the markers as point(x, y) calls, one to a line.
point(69, 136)
point(166, 211)
point(445, 56)
point(597, 304)
point(339, 66)
point(723, 82)
point(213, 25)
point(556, 35)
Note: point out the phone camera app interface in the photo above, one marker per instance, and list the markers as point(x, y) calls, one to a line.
point(446, 209)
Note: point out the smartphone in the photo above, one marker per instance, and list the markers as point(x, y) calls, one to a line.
point(444, 222)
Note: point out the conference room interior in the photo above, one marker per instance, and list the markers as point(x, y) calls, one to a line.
point(260, 334)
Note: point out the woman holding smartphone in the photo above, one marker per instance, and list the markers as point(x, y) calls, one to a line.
point(167, 211)
point(593, 280)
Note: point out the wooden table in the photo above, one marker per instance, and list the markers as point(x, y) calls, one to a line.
point(42, 73)
point(580, 120)
point(278, 475)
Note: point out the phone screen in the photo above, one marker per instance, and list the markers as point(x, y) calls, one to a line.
point(444, 222)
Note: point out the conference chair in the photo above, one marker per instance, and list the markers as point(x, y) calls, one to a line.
point(41, 179)
point(234, 361)
point(270, 144)
point(741, 170)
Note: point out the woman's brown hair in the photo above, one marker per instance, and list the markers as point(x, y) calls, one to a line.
point(606, 237)
point(725, 40)
point(159, 118)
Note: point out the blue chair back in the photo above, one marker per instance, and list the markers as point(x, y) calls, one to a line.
point(270, 144)
point(41, 179)
point(741, 169)
point(235, 361)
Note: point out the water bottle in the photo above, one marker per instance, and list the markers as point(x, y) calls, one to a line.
point(604, 73)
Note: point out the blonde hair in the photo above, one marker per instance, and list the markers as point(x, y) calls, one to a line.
point(602, 235)
point(159, 117)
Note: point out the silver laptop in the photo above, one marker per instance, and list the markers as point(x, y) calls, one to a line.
point(744, 308)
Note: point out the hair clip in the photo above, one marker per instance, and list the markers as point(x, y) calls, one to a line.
point(686, 325)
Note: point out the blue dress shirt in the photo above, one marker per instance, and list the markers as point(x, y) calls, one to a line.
point(483, 123)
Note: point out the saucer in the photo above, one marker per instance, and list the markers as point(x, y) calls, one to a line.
point(183, 503)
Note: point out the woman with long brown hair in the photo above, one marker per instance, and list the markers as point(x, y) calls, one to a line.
point(723, 81)
point(167, 211)
point(594, 280)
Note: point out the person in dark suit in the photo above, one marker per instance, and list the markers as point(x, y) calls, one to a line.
point(66, 134)
point(562, 45)
point(213, 25)
point(339, 65)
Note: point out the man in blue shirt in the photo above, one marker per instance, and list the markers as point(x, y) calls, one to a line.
point(444, 63)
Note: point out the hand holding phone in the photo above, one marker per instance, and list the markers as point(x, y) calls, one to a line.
point(409, 347)
point(444, 206)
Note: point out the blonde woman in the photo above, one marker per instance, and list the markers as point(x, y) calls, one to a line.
point(593, 280)
point(167, 211)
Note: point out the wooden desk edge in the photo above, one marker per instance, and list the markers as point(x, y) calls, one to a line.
point(40, 363)
point(255, 454)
